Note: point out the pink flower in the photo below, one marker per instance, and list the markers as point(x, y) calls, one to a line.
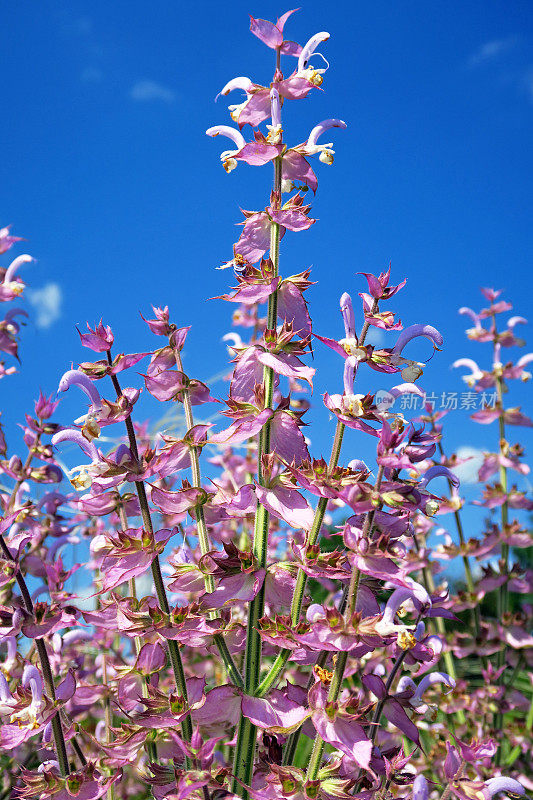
point(100, 339)
point(272, 35)
point(6, 240)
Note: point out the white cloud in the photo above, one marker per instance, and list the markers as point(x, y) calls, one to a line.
point(491, 50)
point(145, 91)
point(47, 303)
point(467, 472)
point(91, 75)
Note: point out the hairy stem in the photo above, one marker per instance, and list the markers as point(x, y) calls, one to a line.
point(42, 652)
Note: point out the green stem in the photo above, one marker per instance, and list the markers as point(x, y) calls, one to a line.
point(173, 649)
point(342, 658)
point(390, 680)
point(289, 749)
point(108, 718)
point(429, 585)
point(247, 734)
point(503, 594)
point(297, 598)
point(57, 729)
point(476, 613)
point(529, 718)
point(203, 534)
point(296, 605)
point(150, 747)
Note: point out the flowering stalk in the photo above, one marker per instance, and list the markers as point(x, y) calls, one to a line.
point(247, 733)
point(173, 649)
point(439, 626)
point(390, 680)
point(360, 707)
point(108, 718)
point(296, 604)
point(476, 614)
point(301, 579)
point(502, 596)
point(203, 535)
point(57, 728)
point(342, 658)
point(151, 747)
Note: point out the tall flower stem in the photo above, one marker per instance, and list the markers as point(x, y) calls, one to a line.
point(503, 594)
point(57, 728)
point(342, 657)
point(476, 614)
point(203, 534)
point(439, 626)
point(390, 680)
point(108, 719)
point(247, 734)
point(151, 747)
point(297, 598)
point(173, 649)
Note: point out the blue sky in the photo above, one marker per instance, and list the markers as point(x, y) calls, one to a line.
point(107, 173)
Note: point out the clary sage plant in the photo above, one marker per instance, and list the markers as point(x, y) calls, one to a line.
point(265, 623)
